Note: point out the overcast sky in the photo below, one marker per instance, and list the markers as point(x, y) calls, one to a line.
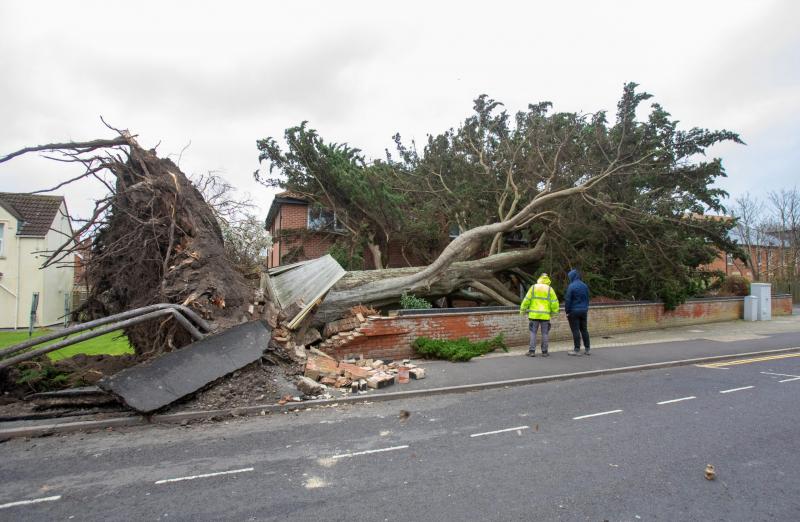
point(220, 75)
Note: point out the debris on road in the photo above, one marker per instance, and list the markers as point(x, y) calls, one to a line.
point(356, 375)
point(710, 473)
point(309, 386)
point(157, 383)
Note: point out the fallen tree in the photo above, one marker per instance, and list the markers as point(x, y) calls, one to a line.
point(569, 189)
point(154, 240)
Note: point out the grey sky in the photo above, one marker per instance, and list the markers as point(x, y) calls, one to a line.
point(222, 74)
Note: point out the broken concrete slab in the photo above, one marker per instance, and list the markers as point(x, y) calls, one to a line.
point(309, 387)
point(172, 376)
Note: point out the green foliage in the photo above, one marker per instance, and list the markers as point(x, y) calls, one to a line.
point(457, 350)
point(336, 177)
point(412, 302)
point(43, 377)
point(351, 257)
point(637, 233)
point(735, 285)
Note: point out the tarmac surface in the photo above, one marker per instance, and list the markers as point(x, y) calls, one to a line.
point(609, 354)
point(631, 446)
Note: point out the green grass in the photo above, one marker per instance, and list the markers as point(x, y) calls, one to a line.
point(112, 343)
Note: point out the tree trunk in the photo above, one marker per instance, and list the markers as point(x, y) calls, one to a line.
point(377, 256)
point(383, 287)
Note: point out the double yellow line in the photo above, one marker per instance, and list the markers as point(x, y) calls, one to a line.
point(734, 362)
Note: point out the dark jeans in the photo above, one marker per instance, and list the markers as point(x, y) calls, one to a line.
point(578, 325)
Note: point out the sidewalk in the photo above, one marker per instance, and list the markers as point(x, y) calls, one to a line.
point(654, 346)
point(608, 353)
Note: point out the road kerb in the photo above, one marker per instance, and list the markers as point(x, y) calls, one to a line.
point(177, 418)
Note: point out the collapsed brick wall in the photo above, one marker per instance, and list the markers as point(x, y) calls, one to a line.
point(391, 337)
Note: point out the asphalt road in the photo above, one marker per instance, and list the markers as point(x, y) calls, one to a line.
point(622, 447)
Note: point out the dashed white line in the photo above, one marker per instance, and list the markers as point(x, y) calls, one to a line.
point(518, 428)
point(677, 400)
point(788, 380)
point(28, 502)
point(345, 455)
point(204, 475)
point(596, 414)
point(737, 389)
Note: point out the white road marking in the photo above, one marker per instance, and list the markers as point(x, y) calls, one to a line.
point(781, 374)
point(28, 502)
point(368, 452)
point(204, 475)
point(677, 400)
point(737, 389)
point(518, 428)
point(793, 377)
point(596, 414)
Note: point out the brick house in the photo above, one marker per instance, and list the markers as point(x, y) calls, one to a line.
point(302, 231)
point(768, 253)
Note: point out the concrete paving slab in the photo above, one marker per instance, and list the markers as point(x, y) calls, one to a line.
point(150, 386)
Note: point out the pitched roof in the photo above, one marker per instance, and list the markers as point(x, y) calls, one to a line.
point(286, 197)
point(34, 212)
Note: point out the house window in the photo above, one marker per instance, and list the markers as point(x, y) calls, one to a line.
point(2, 239)
point(323, 219)
point(454, 231)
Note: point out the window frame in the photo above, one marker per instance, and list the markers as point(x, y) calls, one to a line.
point(335, 225)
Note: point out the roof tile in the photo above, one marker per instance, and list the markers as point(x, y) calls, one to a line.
point(35, 212)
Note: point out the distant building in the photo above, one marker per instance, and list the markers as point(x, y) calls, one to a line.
point(30, 226)
point(769, 257)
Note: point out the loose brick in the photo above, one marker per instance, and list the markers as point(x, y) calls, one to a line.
point(380, 381)
point(318, 367)
point(355, 372)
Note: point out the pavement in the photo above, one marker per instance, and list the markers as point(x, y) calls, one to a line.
point(610, 354)
point(623, 447)
point(633, 349)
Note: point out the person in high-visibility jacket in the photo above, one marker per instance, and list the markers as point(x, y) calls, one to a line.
point(541, 303)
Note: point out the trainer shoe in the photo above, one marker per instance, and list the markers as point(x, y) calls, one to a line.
point(531, 354)
point(573, 353)
point(545, 354)
point(586, 353)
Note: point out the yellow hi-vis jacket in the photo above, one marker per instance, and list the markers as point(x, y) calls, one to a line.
point(540, 302)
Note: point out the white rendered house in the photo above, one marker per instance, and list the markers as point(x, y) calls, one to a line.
point(31, 225)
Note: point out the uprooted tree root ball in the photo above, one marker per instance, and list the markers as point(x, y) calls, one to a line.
point(155, 239)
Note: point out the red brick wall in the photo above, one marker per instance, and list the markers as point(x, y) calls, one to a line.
point(295, 217)
point(391, 337)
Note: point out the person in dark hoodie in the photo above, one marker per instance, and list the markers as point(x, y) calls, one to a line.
point(576, 306)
